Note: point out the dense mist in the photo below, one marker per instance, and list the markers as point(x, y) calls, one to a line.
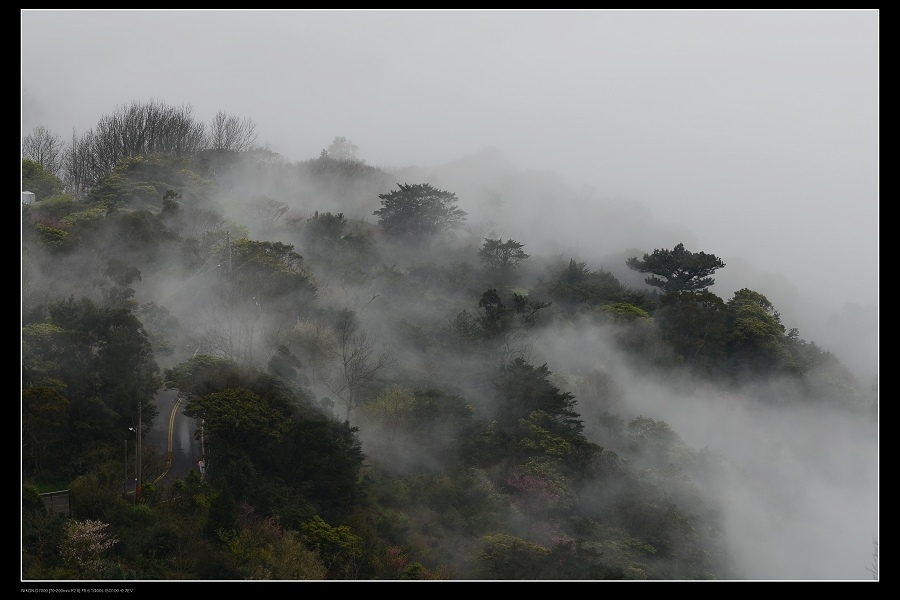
point(755, 130)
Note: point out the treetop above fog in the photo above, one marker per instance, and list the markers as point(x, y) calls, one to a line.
point(418, 210)
point(677, 270)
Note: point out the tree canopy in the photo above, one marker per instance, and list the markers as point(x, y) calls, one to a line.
point(35, 178)
point(237, 419)
point(677, 270)
point(756, 338)
point(417, 210)
point(342, 149)
point(501, 256)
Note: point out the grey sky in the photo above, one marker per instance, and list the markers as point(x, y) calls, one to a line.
point(756, 130)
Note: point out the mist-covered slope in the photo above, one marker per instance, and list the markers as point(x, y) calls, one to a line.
point(408, 405)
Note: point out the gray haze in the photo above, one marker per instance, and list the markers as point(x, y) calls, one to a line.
point(752, 135)
point(756, 130)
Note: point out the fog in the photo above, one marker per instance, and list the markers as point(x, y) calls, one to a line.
point(598, 135)
point(798, 489)
point(756, 131)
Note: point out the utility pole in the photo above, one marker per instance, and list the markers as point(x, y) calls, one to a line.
point(137, 455)
point(228, 246)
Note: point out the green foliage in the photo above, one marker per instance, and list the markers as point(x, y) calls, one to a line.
point(497, 254)
point(418, 211)
point(116, 288)
point(53, 209)
point(40, 181)
point(102, 359)
point(694, 325)
point(504, 556)
point(398, 566)
point(346, 249)
point(578, 286)
point(494, 318)
point(236, 421)
point(535, 437)
point(142, 182)
point(338, 547)
point(271, 271)
point(645, 431)
point(49, 221)
point(394, 408)
point(533, 419)
point(45, 420)
point(51, 237)
point(241, 477)
point(98, 493)
point(292, 445)
point(31, 499)
point(463, 330)
point(290, 559)
point(262, 551)
point(223, 513)
point(203, 374)
point(435, 406)
point(326, 227)
point(43, 344)
point(527, 309)
point(539, 488)
point(678, 270)
point(756, 342)
point(42, 535)
point(571, 560)
point(622, 312)
point(501, 257)
point(63, 225)
point(523, 388)
point(324, 456)
point(435, 422)
point(140, 235)
point(652, 442)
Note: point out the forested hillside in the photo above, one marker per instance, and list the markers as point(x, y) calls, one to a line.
point(395, 379)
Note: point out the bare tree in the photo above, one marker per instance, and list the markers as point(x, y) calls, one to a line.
point(873, 569)
point(231, 326)
point(357, 360)
point(141, 129)
point(44, 148)
point(79, 170)
point(228, 132)
point(266, 212)
point(201, 221)
point(312, 341)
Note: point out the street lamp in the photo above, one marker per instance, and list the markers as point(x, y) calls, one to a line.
point(137, 459)
point(125, 463)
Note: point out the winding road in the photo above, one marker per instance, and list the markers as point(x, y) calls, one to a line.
point(172, 436)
